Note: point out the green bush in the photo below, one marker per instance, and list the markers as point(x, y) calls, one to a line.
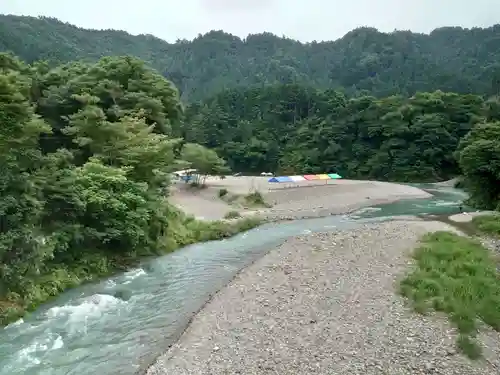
point(487, 224)
point(256, 199)
point(232, 215)
point(457, 276)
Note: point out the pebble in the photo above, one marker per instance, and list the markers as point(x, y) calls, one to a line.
point(333, 311)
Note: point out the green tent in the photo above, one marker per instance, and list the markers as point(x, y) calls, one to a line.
point(334, 176)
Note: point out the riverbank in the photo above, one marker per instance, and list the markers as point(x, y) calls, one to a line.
point(57, 278)
point(324, 303)
point(290, 201)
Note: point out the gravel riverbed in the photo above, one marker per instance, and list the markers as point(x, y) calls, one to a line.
point(325, 304)
point(306, 200)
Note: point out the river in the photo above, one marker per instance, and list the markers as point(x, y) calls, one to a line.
point(120, 325)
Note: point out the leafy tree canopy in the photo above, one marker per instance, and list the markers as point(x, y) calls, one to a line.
point(85, 156)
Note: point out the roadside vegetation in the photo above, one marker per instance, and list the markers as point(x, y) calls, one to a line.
point(457, 276)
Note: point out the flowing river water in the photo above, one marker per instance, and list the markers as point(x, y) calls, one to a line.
point(120, 325)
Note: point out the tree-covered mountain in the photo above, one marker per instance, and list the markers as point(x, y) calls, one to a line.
point(449, 59)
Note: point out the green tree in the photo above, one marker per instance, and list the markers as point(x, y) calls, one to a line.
point(205, 161)
point(23, 245)
point(129, 141)
point(479, 156)
point(291, 129)
point(85, 156)
point(119, 86)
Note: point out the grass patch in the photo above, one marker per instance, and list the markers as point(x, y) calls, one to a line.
point(223, 192)
point(218, 230)
point(256, 199)
point(251, 200)
point(232, 215)
point(487, 224)
point(457, 276)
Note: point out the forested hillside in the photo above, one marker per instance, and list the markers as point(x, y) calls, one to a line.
point(291, 129)
point(86, 151)
point(449, 59)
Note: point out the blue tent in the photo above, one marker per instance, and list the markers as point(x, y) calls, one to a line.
point(280, 179)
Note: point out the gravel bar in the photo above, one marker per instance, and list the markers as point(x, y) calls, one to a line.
point(325, 303)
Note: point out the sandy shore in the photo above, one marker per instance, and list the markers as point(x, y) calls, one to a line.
point(291, 201)
point(325, 304)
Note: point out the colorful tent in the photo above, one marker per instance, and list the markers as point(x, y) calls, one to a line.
point(334, 176)
point(307, 177)
point(311, 177)
point(297, 178)
point(280, 179)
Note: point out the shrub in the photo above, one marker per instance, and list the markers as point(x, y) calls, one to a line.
point(232, 215)
point(223, 192)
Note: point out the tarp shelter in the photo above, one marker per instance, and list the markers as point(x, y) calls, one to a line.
point(334, 176)
point(311, 177)
point(323, 177)
point(280, 179)
point(297, 178)
point(184, 172)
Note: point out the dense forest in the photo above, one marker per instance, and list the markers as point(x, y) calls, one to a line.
point(85, 156)
point(87, 142)
point(450, 59)
point(292, 129)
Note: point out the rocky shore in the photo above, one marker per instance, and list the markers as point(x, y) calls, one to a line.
point(326, 303)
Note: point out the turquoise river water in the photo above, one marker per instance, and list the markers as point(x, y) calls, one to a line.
point(120, 325)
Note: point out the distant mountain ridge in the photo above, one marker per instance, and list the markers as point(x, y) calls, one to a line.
point(364, 60)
